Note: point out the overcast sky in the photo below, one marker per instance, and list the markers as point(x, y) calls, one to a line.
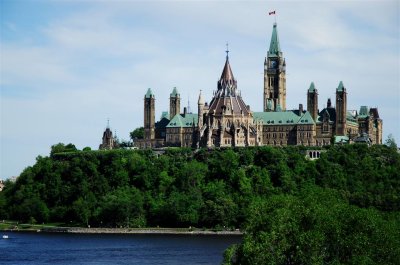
point(68, 66)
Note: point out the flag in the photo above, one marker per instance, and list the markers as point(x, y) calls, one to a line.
point(272, 13)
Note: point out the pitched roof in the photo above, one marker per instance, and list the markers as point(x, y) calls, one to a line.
point(162, 123)
point(181, 120)
point(331, 112)
point(274, 47)
point(174, 92)
point(341, 87)
point(149, 93)
point(219, 103)
point(312, 87)
point(363, 111)
point(283, 118)
point(226, 98)
point(227, 74)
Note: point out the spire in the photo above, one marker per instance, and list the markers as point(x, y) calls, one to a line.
point(201, 99)
point(274, 47)
point(227, 74)
point(341, 87)
point(312, 87)
point(174, 92)
point(149, 93)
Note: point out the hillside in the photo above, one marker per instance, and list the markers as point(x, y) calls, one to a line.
point(275, 194)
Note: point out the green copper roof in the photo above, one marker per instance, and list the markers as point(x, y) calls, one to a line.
point(363, 111)
point(306, 119)
point(164, 114)
point(312, 87)
point(174, 93)
point(341, 139)
point(340, 87)
point(283, 118)
point(179, 121)
point(149, 93)
point(274, 47)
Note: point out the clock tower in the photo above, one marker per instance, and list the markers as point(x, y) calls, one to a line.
point(274, 76)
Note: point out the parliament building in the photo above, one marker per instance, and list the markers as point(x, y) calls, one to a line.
point(227, 121)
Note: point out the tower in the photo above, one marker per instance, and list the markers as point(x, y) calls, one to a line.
point(149, 115)
point(200, 105)
point(341, 109)
point(274, 75)
point(108, 141)
point(174, 103)
point(228, 120)
point(312, 101)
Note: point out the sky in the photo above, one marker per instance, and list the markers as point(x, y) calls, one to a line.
point(66, 67)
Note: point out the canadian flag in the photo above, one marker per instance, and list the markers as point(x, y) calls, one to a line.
point(272, 13)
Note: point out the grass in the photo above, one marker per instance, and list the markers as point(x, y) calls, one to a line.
point(9, 224)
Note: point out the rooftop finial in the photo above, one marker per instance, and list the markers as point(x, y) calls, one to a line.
point(108, 122)
point(227, 50)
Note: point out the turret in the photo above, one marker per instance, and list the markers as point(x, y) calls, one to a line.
point(341, 109)
point(312, 101)
point(174, 103)
point(149, 115)
point(200, 104)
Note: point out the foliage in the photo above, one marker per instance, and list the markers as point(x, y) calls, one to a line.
point(138, 133)
point(391, 142)
point(316, 227)
point(341, 208)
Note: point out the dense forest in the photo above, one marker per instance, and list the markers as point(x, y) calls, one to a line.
point(343, 208)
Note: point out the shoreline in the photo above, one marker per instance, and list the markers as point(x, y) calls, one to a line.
point(140, 231)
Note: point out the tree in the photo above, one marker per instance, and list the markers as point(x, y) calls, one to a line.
point(138, 133)
point(390, 141)
point(61, 148)
point(316, 227)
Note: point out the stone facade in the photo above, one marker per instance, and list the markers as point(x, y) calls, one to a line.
point(227, 121)
point(108, 141)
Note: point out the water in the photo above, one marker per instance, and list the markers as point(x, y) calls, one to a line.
point(95, 249)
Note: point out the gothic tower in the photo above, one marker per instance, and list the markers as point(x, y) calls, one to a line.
point(200, 105)
point(108, 141)
point(174, 103)
point(341, 109)
point(274, 75)
point(227, 120)
point(149, 115)
point(312, 101)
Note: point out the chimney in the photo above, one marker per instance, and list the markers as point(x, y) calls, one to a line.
point(184, 111)
point(301, 108)
point(329, 103)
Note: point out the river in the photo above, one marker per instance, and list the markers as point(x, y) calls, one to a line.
point(95, 249)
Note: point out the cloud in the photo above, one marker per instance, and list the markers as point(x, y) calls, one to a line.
point(96, 59)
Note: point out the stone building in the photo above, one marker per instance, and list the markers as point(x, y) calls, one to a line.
point(108, 141)
point(227, 121)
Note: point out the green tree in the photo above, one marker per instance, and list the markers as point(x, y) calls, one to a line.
point(138, 133)
point(391, 142)
point(60, 148)
point(122, 207)
point(316, 227)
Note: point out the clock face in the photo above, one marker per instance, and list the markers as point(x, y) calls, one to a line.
point(273, 64)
